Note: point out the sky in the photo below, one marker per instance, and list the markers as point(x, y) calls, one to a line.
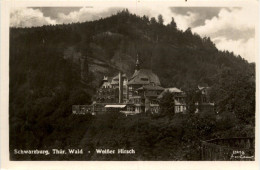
point(231, 29)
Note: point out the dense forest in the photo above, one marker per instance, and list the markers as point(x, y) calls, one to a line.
point(56, 66)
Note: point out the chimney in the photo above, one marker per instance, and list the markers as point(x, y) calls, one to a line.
point(120, 87)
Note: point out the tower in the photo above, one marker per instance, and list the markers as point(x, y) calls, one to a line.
point(137, 64)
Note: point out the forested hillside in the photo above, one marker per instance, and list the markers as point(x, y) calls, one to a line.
point(54, 67)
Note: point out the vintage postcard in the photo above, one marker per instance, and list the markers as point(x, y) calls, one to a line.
point(142, 81)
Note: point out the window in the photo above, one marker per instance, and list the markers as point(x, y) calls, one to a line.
point(144, 79)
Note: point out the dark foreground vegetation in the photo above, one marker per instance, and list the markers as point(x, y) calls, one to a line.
point(55, 67)
point(157, 137)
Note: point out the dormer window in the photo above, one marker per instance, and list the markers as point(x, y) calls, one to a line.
point(144, 79)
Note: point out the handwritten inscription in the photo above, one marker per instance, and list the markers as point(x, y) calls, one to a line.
point(237, 154)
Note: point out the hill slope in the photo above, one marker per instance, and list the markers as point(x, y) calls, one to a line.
point(112, 43)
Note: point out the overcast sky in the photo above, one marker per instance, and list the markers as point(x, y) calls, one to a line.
point(230, 29)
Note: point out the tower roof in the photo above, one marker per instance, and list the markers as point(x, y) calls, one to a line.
point(137, 64)
point(144, 77)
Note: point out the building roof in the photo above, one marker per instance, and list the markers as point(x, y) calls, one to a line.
point(115, 106)
point(105, 83)
point(107, 79)
point(151, 87)
point(171, 90)
point(203, 86)
point(174, 90)
point(144, 77)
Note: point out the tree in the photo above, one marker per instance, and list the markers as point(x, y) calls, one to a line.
point(188, 32)
point(234, 91)
point(167, 104)
point(145, 19)
point(153, 21)
point(160, 19)
point(173, 24)
point(191, 99)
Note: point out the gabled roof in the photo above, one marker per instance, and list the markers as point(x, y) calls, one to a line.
point(144, 77)
point(171, 90)
point(203, 86)
point(106, 80)
point(107, 83)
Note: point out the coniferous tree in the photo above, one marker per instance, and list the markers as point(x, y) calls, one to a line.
point(153, 21)
point(173, 24)
point(160, 19)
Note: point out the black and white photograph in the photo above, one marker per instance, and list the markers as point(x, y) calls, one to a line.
point(132, 83)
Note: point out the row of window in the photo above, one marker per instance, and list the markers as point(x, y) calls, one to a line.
point(154, 102)
point(130, 108)
point(180, 109)
point(154, 109)
point(180, 99)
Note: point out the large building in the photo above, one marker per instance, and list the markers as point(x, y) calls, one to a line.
point(144, 99)
point(140, 78)
point(109, 90)
point(138, 94)
point(133, 95)
point(143, 89)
